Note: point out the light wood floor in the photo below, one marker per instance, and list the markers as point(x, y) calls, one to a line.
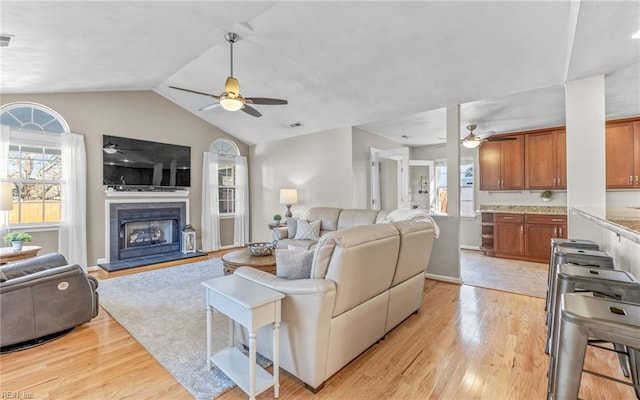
point(465, 343)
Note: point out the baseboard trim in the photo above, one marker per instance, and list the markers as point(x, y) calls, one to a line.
point(443, 278)
point(465, 247)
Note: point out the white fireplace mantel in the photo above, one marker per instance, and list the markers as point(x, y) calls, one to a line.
point(107, 207)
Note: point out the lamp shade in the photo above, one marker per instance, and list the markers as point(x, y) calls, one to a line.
point(6, 196)
point(288, 196)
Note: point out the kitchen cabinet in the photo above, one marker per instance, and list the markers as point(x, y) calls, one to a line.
point(526, 236)
point(508, 230)
point(539, 230)
point(502, 164)
point(623, 155)
point(546, 160)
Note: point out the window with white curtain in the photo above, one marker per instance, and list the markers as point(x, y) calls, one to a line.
point(226, 175)
point(34, 163)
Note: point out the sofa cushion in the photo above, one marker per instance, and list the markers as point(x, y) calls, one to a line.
point(292, 225)
point(293, 263)
point(328, 216)
point(308, 230)
point(31, 266)
point(351, 218)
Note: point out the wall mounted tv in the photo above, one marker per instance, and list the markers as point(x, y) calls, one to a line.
point(141, 165)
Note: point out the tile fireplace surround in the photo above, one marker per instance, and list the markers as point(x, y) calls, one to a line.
point(144, 232)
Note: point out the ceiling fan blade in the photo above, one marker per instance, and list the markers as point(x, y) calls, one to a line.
point(195, 91)
point(209, 107)
point(251, 111)
point(265, 100)
point(498, 139)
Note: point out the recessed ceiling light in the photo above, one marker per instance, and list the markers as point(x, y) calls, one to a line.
point(636, 35)
point(6, 40)
point(295, 124)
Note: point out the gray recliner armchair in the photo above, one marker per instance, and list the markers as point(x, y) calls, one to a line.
point(42, 296)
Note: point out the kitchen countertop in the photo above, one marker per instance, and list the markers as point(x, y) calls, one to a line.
point(502, 209)
point(624, 221)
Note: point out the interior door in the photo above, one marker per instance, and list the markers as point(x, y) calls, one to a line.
point(401, 157)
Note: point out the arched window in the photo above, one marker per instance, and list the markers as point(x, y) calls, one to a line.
point(225, 147)
point(34, 162)
point(33, 117)
point(226, 174)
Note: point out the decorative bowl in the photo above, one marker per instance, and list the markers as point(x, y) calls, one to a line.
point(262, 248)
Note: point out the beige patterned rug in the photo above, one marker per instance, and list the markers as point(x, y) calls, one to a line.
point(164, 310)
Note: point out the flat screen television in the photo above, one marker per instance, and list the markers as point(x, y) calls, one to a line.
point(141, 165)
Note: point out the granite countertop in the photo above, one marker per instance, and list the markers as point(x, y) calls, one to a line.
point(624, 221)
point(548, 210)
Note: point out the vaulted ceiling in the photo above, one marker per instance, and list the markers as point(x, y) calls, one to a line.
point(387, 67)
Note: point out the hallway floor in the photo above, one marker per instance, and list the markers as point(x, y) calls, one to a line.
point(515, 276)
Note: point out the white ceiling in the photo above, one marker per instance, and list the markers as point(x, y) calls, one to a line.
point(387, 67)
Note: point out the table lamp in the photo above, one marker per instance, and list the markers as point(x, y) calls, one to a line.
point(288, 197)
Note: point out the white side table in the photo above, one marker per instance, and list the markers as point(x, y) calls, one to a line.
point(253, 306)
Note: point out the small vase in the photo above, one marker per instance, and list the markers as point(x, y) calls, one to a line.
point(546, 199)
point(16, 245)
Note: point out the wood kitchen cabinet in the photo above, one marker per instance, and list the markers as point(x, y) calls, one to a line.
point(546, 160)
point(623, 155)
point(539, 230)
point(508, 231)
point(502, 164)
point(527, 236)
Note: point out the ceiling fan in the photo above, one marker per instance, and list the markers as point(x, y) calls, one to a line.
point(471, 141)
point(230, 99)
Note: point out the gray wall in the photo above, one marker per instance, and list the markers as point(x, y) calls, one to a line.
point(137, 114)
point(318, 165)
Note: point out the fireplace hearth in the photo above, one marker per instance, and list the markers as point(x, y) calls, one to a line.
point(145, 233)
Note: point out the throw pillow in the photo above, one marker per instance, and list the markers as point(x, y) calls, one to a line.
point(292, 225)
point(294, 263)
point(308, 230)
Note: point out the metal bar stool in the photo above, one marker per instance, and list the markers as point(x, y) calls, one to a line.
point(583, 317)
point(614, 284)
point(562, 255)
point(564, 243)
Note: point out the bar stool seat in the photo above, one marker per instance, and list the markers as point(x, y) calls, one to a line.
point(564, 243)
point(615, 284)
point(583, 317)
point(585, 257)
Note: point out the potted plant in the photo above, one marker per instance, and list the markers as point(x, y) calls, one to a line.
point(277, 218)
point(16, 239)
point(546, 195)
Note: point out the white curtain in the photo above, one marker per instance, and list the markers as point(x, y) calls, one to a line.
point(72, 236)
point(210, 203)
point(4, 165)
point(241, 220)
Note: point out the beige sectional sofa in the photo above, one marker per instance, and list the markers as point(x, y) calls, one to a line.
point(365, 280)
point(335, 219)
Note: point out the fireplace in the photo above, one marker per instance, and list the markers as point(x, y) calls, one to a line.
point(143, 229)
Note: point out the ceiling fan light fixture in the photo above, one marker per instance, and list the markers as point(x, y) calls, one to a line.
point(231, 103)
point(471, 141)
point(110, 150)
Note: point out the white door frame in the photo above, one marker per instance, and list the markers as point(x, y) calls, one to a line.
point(401, 156)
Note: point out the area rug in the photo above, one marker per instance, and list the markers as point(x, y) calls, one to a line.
point(164, 310)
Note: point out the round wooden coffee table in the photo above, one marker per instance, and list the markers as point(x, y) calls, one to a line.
point(243, 258)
